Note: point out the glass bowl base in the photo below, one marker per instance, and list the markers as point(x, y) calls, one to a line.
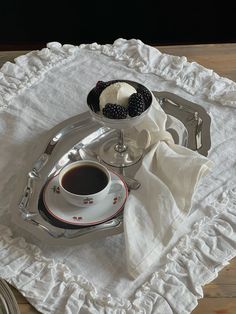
point(111, 155)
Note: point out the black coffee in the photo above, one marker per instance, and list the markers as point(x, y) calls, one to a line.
point(84, 180)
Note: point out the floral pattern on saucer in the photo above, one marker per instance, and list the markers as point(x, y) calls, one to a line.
point(67, 213)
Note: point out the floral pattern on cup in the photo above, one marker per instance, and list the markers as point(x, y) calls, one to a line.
point(56, 189)
point(77, 218)
point(88, 200)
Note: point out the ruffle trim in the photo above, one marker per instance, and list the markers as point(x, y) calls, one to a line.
point(30, 68)
point(191, 77)
point(194, 262)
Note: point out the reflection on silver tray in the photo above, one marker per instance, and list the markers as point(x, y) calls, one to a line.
point(194, 117)
point(70, 137)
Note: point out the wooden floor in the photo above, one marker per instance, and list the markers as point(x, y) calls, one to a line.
point(219, 295)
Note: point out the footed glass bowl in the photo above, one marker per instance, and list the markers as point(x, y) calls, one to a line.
point(120, 151)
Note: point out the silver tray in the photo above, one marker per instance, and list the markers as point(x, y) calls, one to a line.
point(83, 133)
point(195, 118)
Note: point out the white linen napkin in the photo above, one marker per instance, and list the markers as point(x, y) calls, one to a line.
point(169, 175)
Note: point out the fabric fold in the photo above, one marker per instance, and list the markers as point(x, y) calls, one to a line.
point(30, 68)
point(169, 175)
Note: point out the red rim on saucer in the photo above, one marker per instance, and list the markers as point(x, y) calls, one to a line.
point(61, 211)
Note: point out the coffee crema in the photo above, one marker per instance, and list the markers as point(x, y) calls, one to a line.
point(84, 180)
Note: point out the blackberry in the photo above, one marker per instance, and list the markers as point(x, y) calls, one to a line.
point(100, 86)
point(146, 95)
point(114, 111)
point(136, 105)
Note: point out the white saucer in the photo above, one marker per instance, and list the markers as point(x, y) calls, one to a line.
point(60, 209)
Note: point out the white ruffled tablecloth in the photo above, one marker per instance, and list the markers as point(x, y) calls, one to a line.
point(43, 88)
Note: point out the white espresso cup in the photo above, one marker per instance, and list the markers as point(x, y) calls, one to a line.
point(85, 183)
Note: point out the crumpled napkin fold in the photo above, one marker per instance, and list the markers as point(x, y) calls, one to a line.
point(169, 175)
